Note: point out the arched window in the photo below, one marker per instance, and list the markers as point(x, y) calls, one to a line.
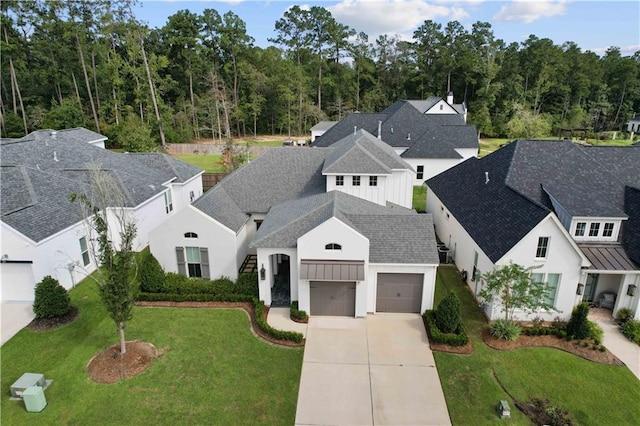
point(191, 235)
point(333, 246)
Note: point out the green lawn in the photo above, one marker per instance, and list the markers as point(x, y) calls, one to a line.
point(211, 163)
point(594, 394)
point(419, 198)
point(213, 370)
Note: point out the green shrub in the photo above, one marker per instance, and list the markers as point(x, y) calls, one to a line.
point(558, 324)
point(297, 314)
point(504, 329)
point(459, 338)
point(247, 284)
point(51, 299)
point(631, 330)
point(578, 325)
point(595, 332)
point(179, 284)
point(448, 316)
point(151, 273)
point(261, 321)
point(623, 315)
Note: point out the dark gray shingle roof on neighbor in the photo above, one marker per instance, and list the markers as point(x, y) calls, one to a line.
point(345, 127)
point(526, 177)
point(56, 166)
point(396, 234)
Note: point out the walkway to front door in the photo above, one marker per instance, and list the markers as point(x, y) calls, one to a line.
point(378, 370)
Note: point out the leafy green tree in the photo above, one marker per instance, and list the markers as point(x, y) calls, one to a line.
point(134, 135)
point(512, 287)
point(151, 273)
point(65, 116)
point(113, 233)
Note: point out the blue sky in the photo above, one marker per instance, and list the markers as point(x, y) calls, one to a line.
point(593, 25)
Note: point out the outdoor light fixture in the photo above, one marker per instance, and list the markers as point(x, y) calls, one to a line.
point(580, 290)
point(263, 273)
point(631, 290)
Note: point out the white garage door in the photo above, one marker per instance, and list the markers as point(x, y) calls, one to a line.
point(333, 298)
point(399, 292)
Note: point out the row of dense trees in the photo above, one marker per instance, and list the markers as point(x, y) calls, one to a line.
point(92, 63)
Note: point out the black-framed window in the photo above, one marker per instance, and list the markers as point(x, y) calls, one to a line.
point(333, 246)
point(420, 172)
point(373, 180)
point(193, 261)
point(339, 180)
point(168, 202)
point(594, 229)
point(543, 247)
point(607, 231)
point(190, 235)
point(581, 228)
point(355, 180)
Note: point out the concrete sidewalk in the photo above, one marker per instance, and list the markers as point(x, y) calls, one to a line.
point(620, 346)
point(280, 319)
point(378, 370)
point(15, 316)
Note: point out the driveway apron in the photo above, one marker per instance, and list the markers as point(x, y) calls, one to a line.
point(373, 371)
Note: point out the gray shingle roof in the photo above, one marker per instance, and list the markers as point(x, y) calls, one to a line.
point(219, 205)
point(362, 153)
point(323, 125)
point(396, 234)
point(344, 127)
point(171, 167)
point(524, 177)
point(55, 166)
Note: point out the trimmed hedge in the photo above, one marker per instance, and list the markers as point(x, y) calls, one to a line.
point(290, 336)
point(459, 338)
point(151, 273)
point(247, 284)
point(447, 314)
point(51, 299)
point(298, 314)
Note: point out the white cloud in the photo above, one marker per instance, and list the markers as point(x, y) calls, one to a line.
point(401, 17)
point(624, 50)
point(527, 11)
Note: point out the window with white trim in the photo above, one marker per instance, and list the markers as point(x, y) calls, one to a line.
point(194, 265)
point(608, 229)
point(551, 284)
point(355, 181)
point(594, 229)
point(581, 228)
point(339, 180)
point(193, 261)
point(168, 202)
point(333, 246)
point(420, 173)
point(373, 180)
point(84, 250)
point(543, 248)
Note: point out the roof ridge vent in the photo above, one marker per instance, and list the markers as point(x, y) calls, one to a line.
point(486, 178)
point(355, 130)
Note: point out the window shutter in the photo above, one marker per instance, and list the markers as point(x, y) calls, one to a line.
point(182, 267)
point(204, 262)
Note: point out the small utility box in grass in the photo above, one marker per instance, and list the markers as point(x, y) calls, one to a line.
point(34, 400)
point(25, 381)
point(504, 411)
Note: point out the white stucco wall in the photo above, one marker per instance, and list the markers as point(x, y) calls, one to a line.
point(51, 256)
point(266, 260)
point(354, 247)
point(428, 286)
point(181, 192)
point(220, 240)
point(432, 167)
point(441, 107)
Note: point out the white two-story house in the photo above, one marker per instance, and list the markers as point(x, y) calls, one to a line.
point(331, 228)
point(571, 212)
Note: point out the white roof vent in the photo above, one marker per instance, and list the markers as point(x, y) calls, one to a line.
point(486, 178)
point(409, 137)
point(53, 134)
point(55, 156)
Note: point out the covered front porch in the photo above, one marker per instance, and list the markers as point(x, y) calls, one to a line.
point(612, 280)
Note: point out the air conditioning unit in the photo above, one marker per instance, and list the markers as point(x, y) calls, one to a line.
point(25, 381)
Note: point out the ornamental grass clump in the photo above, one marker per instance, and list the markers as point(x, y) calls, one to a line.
point(504, 329)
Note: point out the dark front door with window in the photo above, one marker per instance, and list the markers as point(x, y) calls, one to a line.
point(590, 288)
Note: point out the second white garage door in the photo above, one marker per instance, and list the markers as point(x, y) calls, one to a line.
point(399, 292)
point(333, 298)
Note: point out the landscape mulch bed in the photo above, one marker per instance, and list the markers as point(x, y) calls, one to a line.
point(109, 366)
point(571, 346)
point(41, 325)
point(246, 306)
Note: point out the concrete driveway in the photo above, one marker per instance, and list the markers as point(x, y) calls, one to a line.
point(14, 317)
point(373, 371)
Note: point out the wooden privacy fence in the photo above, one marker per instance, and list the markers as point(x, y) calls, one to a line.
point(210, 179)
point(208, 148)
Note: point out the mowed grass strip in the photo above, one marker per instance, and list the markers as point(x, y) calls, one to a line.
point(420, 198)
point(593, 394)
point(212, 370)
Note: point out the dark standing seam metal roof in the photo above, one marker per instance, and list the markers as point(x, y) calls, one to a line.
point(607, 257)
point(47, 169)
point(589, 181)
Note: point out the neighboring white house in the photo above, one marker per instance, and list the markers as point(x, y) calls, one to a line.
point(430, 135)
point(633, 126)
point(320, 129)
point(572, 212)
point(43, 232)
point(331, 228)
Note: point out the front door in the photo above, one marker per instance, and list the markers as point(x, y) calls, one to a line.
point(590, 288)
